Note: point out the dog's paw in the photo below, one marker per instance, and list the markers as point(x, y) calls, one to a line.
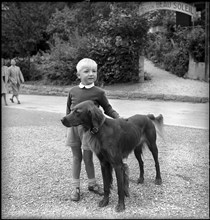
point(120, 207)
point(104, 202)
point(158, 181)
point(140, 180)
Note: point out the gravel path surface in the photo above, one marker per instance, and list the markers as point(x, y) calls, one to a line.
point(36, 174)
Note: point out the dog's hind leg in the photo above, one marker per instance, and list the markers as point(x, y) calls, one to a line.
point(154, 150)
point(138, 154)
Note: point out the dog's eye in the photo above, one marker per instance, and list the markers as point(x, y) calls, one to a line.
point(77, 111)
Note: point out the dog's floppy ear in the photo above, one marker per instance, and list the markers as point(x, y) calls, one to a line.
point(96, 117)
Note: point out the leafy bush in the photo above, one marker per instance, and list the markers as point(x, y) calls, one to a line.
point(157, 46)
point(30, 71)
point(172, 53)
point(116, 63)
point(60, 68)
point(177, 62)
point(115, 47)
point(196, 43)
point(59, 73)
point(118, 44)
point(193, 40)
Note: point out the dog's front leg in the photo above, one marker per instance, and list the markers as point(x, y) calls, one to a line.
point(107, 181)
point(120, 185)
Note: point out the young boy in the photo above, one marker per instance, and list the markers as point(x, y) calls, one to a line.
point(86, 90)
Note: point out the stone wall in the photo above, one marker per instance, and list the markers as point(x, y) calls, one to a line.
point(196, 70)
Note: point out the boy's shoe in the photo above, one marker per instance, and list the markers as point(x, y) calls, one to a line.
point(18, 102)
point(11, 100)
point(96, 189)
point(75, 196)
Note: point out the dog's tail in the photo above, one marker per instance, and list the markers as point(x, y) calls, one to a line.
point(158, 123)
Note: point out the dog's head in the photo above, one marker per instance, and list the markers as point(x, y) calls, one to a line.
point(85, 113)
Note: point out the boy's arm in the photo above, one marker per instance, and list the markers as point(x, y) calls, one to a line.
point(108, 110)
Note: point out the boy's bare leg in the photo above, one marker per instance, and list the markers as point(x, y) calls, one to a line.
point(89, 167)
point(76, 169)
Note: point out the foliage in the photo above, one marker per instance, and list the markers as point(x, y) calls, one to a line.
point(116, 62)
point(157, 46)
point(172, 51)
point(177, 62)
point(163, 18)
point(111, 33)
point(58, 72)
point(168, 54)
point(67, 44)
point(62, 24)
point(24, 27)
point(80, 17)
point(114, 46)
point(196, 43)
point(131, 28)
point(24, 31)
point(63, 58)
point(193, 39)
point(118, 44)
point(31, 72)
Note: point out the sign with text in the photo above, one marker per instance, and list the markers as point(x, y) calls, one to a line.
point(175, 6)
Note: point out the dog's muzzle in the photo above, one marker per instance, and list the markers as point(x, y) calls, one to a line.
point(64, 121)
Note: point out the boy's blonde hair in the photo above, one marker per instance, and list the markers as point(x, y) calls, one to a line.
point(85, 62)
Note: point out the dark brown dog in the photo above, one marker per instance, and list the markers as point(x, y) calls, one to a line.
point(114, 139)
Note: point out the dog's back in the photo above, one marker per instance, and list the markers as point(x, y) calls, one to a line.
point(148, 125)
point(146, 121)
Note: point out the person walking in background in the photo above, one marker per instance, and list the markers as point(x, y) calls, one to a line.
point(15, 77)
point(4, 79)
point(86, 90)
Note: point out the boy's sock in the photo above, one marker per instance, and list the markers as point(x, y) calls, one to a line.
point(76, 183)
point(91, 182)
point(75, 195)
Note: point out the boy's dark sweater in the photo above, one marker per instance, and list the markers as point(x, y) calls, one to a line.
point(77, 95)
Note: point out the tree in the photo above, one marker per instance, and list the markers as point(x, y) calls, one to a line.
point(23, 27)
point(123, 36)
point(111, 33)
point(80, 17)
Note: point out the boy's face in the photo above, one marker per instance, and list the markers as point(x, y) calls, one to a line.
point(88, 74)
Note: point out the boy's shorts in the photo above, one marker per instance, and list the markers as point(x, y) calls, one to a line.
point(76, 138)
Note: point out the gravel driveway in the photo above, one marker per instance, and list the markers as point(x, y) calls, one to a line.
point(36, 174)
